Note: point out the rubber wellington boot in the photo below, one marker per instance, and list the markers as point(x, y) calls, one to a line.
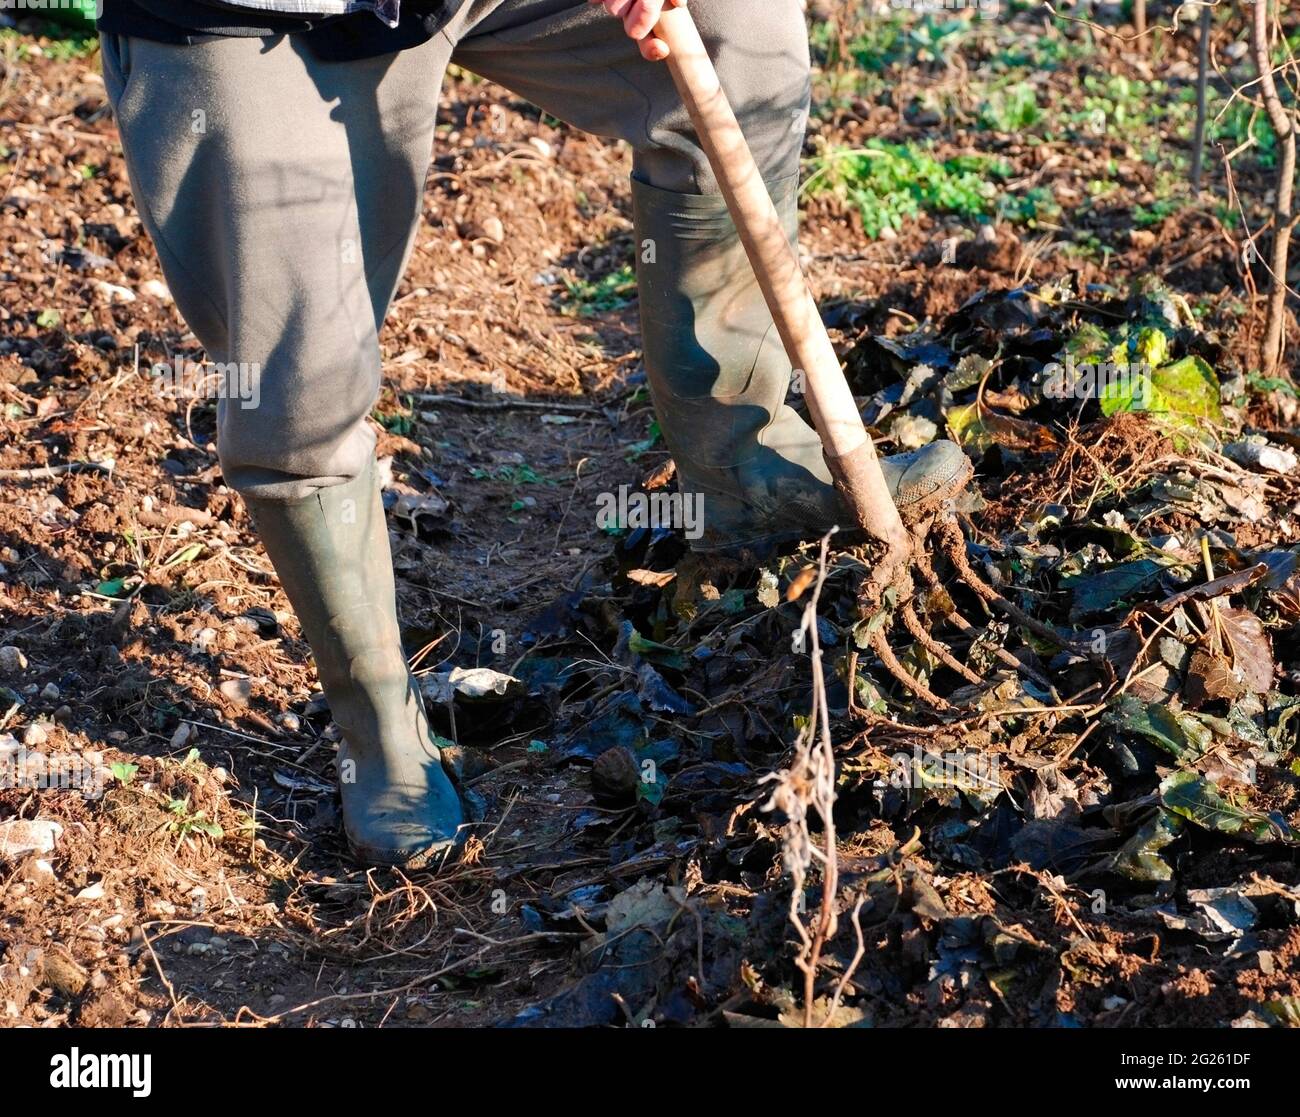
point(332, 554)
point(719, 378)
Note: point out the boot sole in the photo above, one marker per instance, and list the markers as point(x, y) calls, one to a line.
point(401, 858)
point(911, 513)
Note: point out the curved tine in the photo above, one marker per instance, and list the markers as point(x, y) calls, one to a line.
point(963, 625)
point(954, 546)
point(913, 624)
point(881, 647)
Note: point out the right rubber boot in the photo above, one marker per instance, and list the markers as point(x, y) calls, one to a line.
point(719, 377)
point(332, 554)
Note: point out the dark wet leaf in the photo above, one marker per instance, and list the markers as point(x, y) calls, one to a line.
point(1048, 843)
point(1207, 591)
point(1104, 591)
point(619, 722)
point(656, 695)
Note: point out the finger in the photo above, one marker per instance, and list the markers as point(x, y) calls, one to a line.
point(654, 50)
point(619, 8)
point(641, 20)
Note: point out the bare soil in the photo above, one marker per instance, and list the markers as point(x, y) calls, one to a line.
point(152, 626)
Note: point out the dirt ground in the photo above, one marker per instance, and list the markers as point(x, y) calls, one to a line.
point(209, 882)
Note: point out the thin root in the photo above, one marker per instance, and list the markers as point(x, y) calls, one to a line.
point(936, 649)
point(880, 645)
point(964, 626)
point(953, 543)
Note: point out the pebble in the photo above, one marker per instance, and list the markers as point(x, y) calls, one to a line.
point(21, 836)
point(114, 292)
point(237, 690)
point(34, 735)
point(51, 693)
point(616, 774)
point(290, 721)
point(92, 892)
point(39, 871)
point(12, 660)
point(156, 289)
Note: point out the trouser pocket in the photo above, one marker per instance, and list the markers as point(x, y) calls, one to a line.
point(115, 53)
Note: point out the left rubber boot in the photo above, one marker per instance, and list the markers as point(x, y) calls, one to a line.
point(719, 377)
point(332, 554)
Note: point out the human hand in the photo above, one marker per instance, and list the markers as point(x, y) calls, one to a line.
point(640, 17)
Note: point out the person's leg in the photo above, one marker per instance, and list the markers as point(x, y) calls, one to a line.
point(717, 371)
point(282, 194)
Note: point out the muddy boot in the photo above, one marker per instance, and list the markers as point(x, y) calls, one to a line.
point(719, 377)
point(332, 555)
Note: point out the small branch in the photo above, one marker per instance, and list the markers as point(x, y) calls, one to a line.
point(41, 472)
point(509, 404)
point(1202, 85)
point(1284, 128)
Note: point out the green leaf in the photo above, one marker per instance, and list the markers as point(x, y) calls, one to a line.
point(1175, 731)
point(1184, 391)
point(111, 588)
point(1195, 798)
point(733, 602)
point(124, 773)
point(661, 654)
point(1285, 1010)
point(652, 791)
point(48, 319)
point(185, 555)
point(1152, 346)
point(1139, 858)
